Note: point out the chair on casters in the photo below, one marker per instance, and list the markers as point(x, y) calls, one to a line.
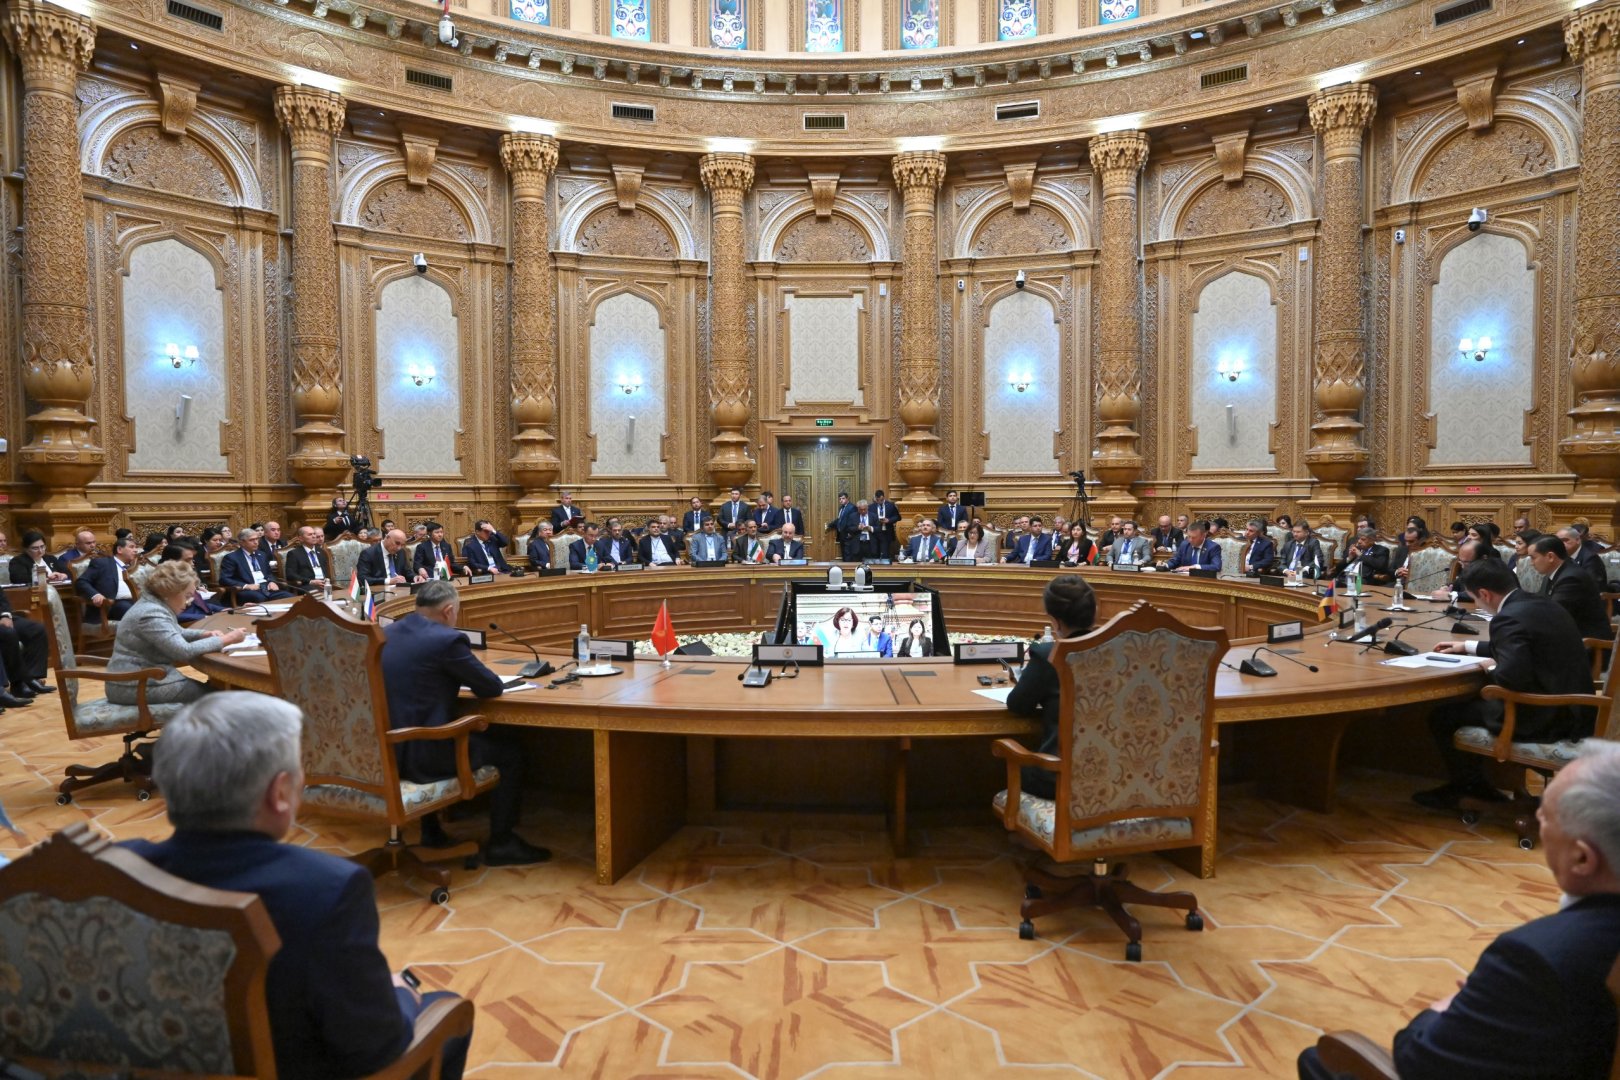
point(188, 964)
point(1134, 770)
point(331, 668)
point(1542, 758)
point(100, 718)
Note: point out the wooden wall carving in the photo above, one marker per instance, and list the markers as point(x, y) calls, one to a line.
point(394, 206)
point(611, 231)
point(838, 239)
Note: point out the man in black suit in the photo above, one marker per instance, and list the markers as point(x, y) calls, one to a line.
point(786, 546)
point(950, 512)
point(1584, 555)
point(792, 515)
point(24, 654)
point(1537, 650)
point(425, 664)
point(692, 521)
point(540, 550)
point(307, 562)
point(749, 546)
point(339, 521)
point(887, 516)
point(767, 515)
point(566, 513)
point(615, 547)
point(102, 584)
point(840, 526)
point(582, 552)
point(1261, 555)
point(1535, 1004)
point(434, 550)
point(1569, 588)
point(655, 548)
point(734, 513)
point(231, 780)
point(382, 565)
point(482, 550)
point(1367, 555)
point(1165, 535)
point(1303, 554)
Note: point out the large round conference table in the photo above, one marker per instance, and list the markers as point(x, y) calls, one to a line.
point(687, 743)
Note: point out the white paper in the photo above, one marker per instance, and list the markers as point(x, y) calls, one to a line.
point(517, 689)
point(248, 652)
point(998, 693)
point(1426, 660)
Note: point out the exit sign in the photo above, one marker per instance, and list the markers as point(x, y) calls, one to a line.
point(1472, 489)
point(1431, 491)
point(824, 423)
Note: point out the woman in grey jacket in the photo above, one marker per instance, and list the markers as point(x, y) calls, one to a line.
point(150, 635)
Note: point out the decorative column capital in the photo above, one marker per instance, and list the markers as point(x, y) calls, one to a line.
point(1341, 114)
point(728, 178)
point(919, 171)
point(1592, 29)
point(311, 118)
point(54, 45)
point(529, 159)
point(1117, 157)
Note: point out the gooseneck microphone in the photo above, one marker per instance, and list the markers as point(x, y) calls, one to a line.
point(1255, 666)
point(1371, 631)
point(527, 671)
point(1396, 647)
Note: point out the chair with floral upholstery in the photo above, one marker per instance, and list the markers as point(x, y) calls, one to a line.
point(176, 986)
point(345, 552)
point(100, 718)
point(331, 668)
point(1135, 768)
point(1540, 759)
point(1530, 579)
point(1429, 567)
point(1334, 538)
point(1233, 549)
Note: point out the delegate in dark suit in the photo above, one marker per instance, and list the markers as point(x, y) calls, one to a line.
point(732, 515)
point(843, 525)
point(484, 556)
point(334, 1011)
point(577, 552)
point(1304, 556)
point(22, 646)
point(949, 515)
point(1261, 556)
point(338, 522)
point(1578, 594)
point(101, 577)
point(1038, 695)
point(769, 518)
point(933, 548)
point(301, 569)
point(425, 664)
point(21, 569)
point(236, 572)
point(1534, 1008)
point(1166, 538)
point(424, 557)
point(377, 565)
point(615, 551)
point(1205, 556)
point(1587, 557)
point(780, 549)
point(887, 515)
point(539, 551)
point(1374, 565)
point(1042, 545)
point(562, 515)
point(692, 521)
point(647, 547)
point(792, 515)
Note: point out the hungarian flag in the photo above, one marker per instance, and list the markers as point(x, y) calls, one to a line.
point(663, 632)
point(1327, 604)
point(354, 585)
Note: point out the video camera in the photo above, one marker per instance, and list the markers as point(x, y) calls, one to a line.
point(365, 477)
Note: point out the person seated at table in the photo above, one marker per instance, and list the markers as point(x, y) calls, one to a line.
point(482, 550)
point(202, 602)
point(1196, 552)
point(84, 546)
point(1584, 554)
point(582, 552)
point(1131, 549)
point(1033, 546)
point(231, 781)
point(213, 542)
point(1469, 551)
point(1020, 526)
point(437, 551)
point(925, 545)
point(655, 548)
point(1367, 556)
point(1261, 555)
point(842, 635)
point(383, 566)
point(916, 642)
point(1522, 540)
point(877, 632)
point(24, 656)
point(308, 564)
point(1570, 589)
point(707, 545)
point(539, 550)
point(1072, 607)
point(748, 547)
point(615, 547)
point(1165, 535)
point(1413, 537)
point(34, 561)
point(424, 667)
point(786, 546)
point(105, 590)
point(1076, 549)
point(975, 544)
point(1105, 542)
point(150, 636)
point(247, 570)
point(1302, 555)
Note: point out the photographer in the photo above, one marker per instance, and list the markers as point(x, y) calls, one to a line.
point(339, 521)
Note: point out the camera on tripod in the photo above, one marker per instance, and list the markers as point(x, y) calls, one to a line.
point(365, 477)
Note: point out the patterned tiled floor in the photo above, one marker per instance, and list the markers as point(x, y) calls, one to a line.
point(788, 953)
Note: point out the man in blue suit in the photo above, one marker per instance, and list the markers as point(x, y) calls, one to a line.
point(247, 570)
point(692, 521)
point(1535, 1006)
point(927, 545)
point(1033, 546)
point(615, 547)
point(425, 664)
point(102, 583)
point(482, 550)
point(230, 775)
point(786, 546)
point(767, 515)
point(582, 552)
point(1197, 551)
point(951, 513)
point(843, 525)
point(1262, 553)
point(433, 551)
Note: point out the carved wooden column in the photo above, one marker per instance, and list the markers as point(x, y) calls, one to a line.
point(529, 160)
point(58, 363)
point(1592, 450)
point(917, 173)
point(1337, 455)
point(1117, 158)
point(728, 178)
point(312, 118)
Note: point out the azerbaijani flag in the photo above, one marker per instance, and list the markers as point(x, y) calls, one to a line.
point(663, 632)
point(939, 550)
point(354, 585)
point(1327, 605)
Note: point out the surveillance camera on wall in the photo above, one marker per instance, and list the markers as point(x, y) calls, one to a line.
point(447, 32)
point(1020, 281)
point(419, 261)
point(1476, 218)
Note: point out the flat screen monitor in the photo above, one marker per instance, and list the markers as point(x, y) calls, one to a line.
point(893, 619)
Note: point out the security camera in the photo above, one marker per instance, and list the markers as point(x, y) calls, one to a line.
point(1476, 218)
point(447, 31)
point(1020, 281)
point(419, 261)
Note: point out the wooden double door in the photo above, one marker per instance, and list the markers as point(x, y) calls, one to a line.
point(814, 472)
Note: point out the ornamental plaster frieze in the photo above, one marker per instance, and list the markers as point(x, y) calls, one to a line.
point(568, 81)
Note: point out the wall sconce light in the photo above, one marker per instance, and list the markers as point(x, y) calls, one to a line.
point(1020, 382)
point(629, 383)
point(420, 375)
point(180, 357)
point(1229, 369)
point(1469, 348)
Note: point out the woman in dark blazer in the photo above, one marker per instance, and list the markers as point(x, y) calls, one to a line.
point(1072, 607)
point(33, 554)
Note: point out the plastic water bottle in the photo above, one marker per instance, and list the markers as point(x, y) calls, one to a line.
point(582, 645)
point(1046, 634)
point(1400, 592)
point(326, 589)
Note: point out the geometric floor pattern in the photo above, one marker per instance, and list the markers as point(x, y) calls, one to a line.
point(806, 952)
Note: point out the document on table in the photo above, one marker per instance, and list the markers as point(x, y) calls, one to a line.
point(1436, 660)
point(246, 652)
point(998, 693)
point(249, 642)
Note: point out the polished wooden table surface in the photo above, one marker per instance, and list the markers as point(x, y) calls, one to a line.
point(654, 728)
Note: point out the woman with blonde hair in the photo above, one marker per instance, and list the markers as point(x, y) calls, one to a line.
point(150, 636)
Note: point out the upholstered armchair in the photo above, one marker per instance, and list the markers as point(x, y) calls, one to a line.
point(1334, 538)
point(99, 718)
point(1233, 548)
point(1429, 567)
point(345, 552)
point(1530, 580)
point(1541, 758)
point(331, 668)
point(1134, 771)
point(177, 986)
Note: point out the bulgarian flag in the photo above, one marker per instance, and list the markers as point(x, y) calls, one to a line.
point(354, 585)
point(663, 632)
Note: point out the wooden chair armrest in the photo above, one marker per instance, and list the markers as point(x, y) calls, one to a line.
point(458, 730)
point(110, 676)
point(445, 1019)
point(1018, 755)
point(1350, 1053)
point(1512, 699)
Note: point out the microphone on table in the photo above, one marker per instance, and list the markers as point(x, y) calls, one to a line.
point(1396, 647)
point(1255, 666)
point(1371, 631)
point(527, 671)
